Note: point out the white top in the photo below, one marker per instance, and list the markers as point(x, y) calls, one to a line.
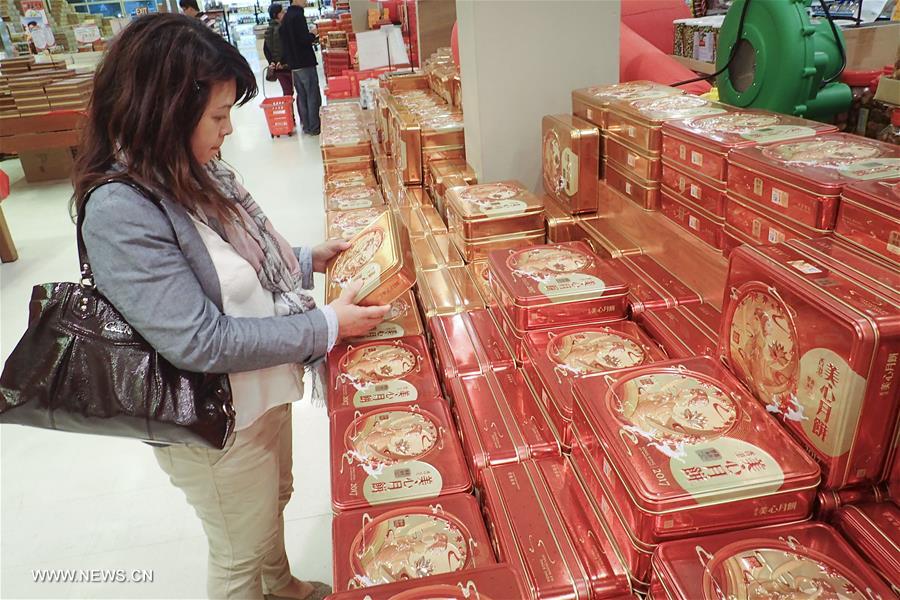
point(253, 392)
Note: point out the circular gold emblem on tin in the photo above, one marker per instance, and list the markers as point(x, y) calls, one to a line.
point(399, 308)
point(352, 260)
point(763, 345)
point(738, 122)
point(351, 222)
point(378, 362)
point(553, 171)
point(822, 152)
point(595, 351)
point(670, 104)
point(541, 262)
point(389, 436)
point(488, 193)
point(402, 545)
point(674, 408)
point(777, 570)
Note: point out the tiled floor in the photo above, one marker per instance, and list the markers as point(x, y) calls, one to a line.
point(82, 502)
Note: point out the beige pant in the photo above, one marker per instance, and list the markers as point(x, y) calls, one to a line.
point(240, 493)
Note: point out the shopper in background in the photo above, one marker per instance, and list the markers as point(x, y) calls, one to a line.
point(207, 280)
point(272, 49)
point(192, 9)
point(297, 44)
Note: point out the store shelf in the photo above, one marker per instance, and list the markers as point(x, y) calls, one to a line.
point(696, 65)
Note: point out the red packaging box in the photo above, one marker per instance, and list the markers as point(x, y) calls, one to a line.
point(874, 530)
point(804, 560)
point(829, 501)
point(570, 157)
point(634, 163)
point(500, 420)
point(531, 533)
point(515, 337)
point(593, 103)
point(396, 371)
point(701, 145)
point(409, 542)
point(395, 454)
point(761, 226)
point(559, 357)
point(683, 450)
point(820, 350)
point(644, 194)
point(692, 218)
point(869, 216)
point(487, 583)
point(468, 343)
point(652, 287)
point(710, 198)
point(556, 284)
point(803, 179)
point(684, 331)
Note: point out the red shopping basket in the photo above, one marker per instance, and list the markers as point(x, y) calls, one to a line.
point(279, 115)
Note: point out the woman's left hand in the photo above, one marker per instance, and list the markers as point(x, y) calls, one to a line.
point(325, 252)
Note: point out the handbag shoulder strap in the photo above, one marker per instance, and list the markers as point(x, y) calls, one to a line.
point(87, 275)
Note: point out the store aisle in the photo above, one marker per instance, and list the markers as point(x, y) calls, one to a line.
point(81, 502)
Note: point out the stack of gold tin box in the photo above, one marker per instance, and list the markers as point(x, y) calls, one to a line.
point(346, 143)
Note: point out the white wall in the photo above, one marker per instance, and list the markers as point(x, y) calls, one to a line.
point(520, 60)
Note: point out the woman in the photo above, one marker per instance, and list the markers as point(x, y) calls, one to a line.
point(273, 52)
point(207, 281)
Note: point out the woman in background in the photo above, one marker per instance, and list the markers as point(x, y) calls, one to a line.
point(273, 51)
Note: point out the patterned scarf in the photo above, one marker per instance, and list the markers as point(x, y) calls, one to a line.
point(253, 237)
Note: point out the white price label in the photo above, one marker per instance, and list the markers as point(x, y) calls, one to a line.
point(779, 197)
point(775, 236)
point(757, 186)
point(693, 222)
point(695, 191)
point(696, 158)
point(632, 160)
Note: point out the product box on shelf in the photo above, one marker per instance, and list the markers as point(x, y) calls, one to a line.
point(638, 122)
point(819, 349)
point(828, 502)
point(644, 194)
point(409, 542)
point(350, 198)
point(515, 336)
point(443, 137)
point(561, 226)
point(558, 357)
point(701, 145)
point(556, 284)
point(604, 238)
point(493, 209)
point(468, 343)
point(869, 216)
point(500, 421)
point(379, 256)
point(709, 197)
point(684, 331)
point(435, 251)
point(760, 226)
point(421, 221)
point(475, 250)
point(803, 179)
point(394, 454)
point(633, 162)
point(891, 473)
point(682, 449)
point(480, 274)
point(447, 291)
point(803, 560)
point(439, 170)
point(402, 320)
point(398, 371)
point(406, 145)
point(485, 583)
point(570, 157)
point(344, 224)
point(346, 148)
point(651, 286)
point(692, 218)
point(531, 534)
point(592, 103)
point(342, 179)
point(874, 530)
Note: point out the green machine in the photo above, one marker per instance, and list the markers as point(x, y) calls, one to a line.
point(772, 56)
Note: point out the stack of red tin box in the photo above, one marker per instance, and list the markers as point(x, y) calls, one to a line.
point(695, 159)
point(792, 189)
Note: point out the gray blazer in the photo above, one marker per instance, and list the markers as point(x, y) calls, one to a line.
point(154, 268)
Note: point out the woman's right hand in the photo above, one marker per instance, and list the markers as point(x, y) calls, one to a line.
point(354, 320)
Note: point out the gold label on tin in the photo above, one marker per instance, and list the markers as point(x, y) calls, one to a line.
point(757, 186)
point(410, 546)
point(881, 168)
point(726, 464)
point(777, 133)
point(595, 351)
point(893, 242)
point(696, 158)
point(405, 480)
point(776, 569)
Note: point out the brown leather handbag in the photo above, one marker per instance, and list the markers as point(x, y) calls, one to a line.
point(80, 367)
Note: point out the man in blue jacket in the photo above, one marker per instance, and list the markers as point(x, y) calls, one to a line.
point(297, 47)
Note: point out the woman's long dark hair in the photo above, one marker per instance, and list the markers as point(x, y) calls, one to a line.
point(150, 90)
